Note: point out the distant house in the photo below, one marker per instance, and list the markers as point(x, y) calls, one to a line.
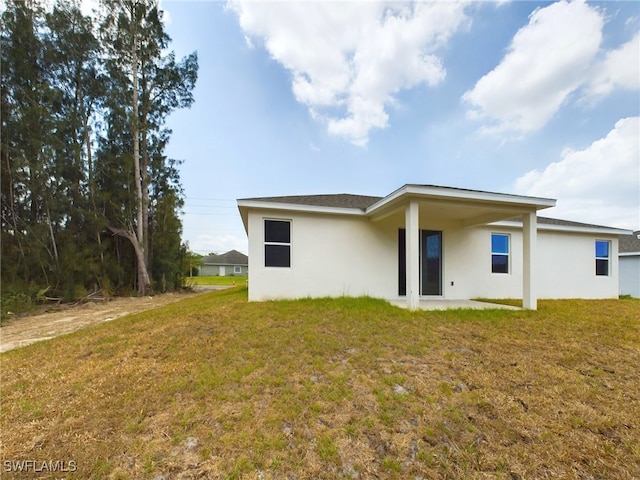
point(630, 264)
point(232, 263)
point(425, 242)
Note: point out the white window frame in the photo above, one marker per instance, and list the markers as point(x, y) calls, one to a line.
point(607, 258)
point(266, 243)
point(508, 254)
point(237, 269)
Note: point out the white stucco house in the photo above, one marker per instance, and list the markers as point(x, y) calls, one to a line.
point(630, 264)
point(421, 242)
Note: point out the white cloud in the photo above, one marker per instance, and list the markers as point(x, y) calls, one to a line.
point(349, 59)
point(600, 184)
point(547, 60)
point(619, 69)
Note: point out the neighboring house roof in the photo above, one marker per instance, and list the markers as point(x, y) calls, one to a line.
point(232, 257)
point(630, 244)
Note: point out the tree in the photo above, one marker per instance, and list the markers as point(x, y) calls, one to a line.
point(26, 141)
point(88, 197)
point(73, 67)
point(151, 84)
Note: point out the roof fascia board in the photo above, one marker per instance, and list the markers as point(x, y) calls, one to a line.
point(490, 197)
point(566, 228)
point(439, 193)
point(295, 207)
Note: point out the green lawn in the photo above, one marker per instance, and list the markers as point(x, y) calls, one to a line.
point(216, 280)
point(216, 387)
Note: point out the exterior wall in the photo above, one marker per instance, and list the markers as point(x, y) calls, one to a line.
point(330, 256)
point(565, 266)
point(214, 270)
point(348, 255)
point(467, 263)
point(630, 275)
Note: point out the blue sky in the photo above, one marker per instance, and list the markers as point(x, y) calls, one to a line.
point(532, 98)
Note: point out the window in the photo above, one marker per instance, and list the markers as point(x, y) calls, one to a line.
point(602, 257)
point(499, 253)
point(237, 269)
point(277, 243)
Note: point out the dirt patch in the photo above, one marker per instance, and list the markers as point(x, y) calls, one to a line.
point(23, 331)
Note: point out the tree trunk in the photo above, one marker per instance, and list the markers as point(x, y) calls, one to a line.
point(139, 240)
point(144, 283)
point(144, 173)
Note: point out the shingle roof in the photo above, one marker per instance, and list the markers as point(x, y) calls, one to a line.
point(629, 243)
point(339, 200)
point(362, 202)
point(565, 223)
point(232, 257)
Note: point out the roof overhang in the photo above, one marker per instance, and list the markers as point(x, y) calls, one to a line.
point(590, 229)
point(245, 205)
point(469, 207)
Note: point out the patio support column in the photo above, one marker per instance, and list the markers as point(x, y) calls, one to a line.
point(412, 251)
point(529, 247)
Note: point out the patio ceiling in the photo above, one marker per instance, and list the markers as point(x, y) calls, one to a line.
point(468, 207)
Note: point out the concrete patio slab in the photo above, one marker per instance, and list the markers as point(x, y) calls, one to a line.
point(442, 304)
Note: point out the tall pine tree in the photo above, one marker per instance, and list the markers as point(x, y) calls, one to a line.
point(150, 83)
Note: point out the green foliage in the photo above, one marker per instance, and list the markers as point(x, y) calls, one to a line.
point(15, 303)
point(21, 300)
point(68, 178)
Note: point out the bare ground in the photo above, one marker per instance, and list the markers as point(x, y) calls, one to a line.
point(64, 319)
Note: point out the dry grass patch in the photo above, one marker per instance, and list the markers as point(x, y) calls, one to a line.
point(215, 387)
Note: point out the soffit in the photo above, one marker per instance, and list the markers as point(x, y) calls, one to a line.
point(468, 207)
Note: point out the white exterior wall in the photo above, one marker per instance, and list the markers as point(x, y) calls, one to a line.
point(467, 263)
point(630, 275)
point(333, 255)
point(565, 266)
point(330, 256)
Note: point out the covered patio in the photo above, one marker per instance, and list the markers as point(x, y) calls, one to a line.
point(416, 206)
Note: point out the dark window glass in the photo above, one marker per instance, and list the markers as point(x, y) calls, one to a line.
point(500, 263)
point(602, 267)
point(402, 262)
point(277, 256)
point(431, 262)
point(277, 243)
point(277, 231)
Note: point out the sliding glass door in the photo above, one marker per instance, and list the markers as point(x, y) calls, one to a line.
point(430, 262)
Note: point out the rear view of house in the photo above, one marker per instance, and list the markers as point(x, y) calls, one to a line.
point(421, 242)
